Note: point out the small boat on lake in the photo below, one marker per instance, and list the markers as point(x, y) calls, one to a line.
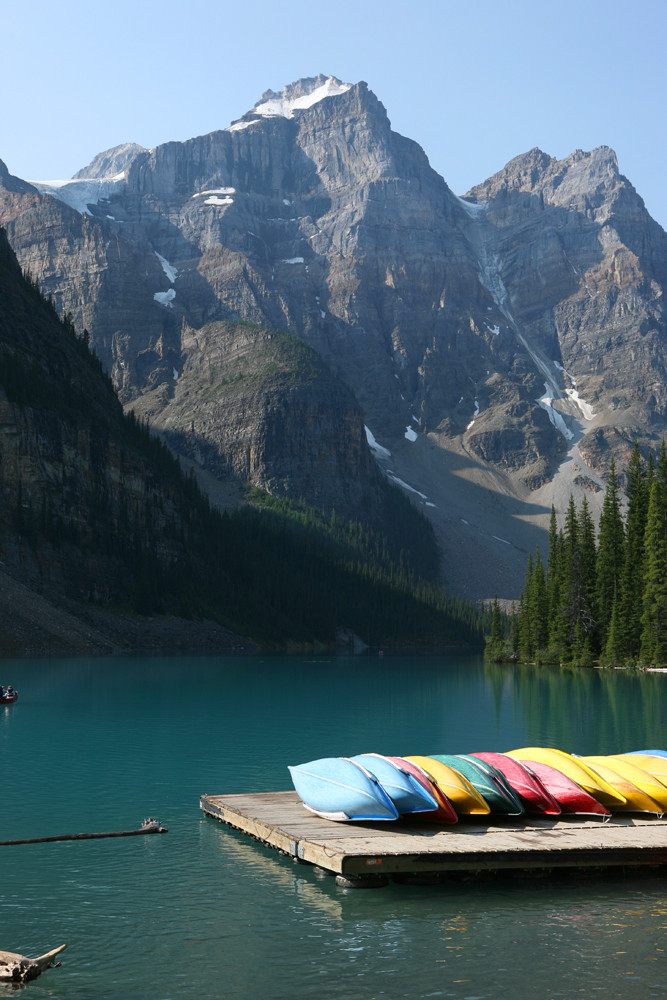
point(490, 783)
point(8, 695)
point(444, 811)
point(463, 796)
point(575, 769)
point(407, 794)
point(528, 787)
point(571, 798)
point(339, 789)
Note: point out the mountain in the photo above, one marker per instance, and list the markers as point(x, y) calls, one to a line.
point(106, 545)
point(500, 346)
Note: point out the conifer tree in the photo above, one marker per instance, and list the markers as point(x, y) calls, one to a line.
point(588, 555)
point(553, 569)
point(526, 643)
point(611, 545)
point(654, 616)
point(630, 617)
point(571, 586)
point(496, 627)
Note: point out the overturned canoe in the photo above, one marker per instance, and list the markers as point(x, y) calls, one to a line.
point(405, 791)
point(568, 794)
point(651, 764)
point(490, 784)
point(631, 782)
point(575, 769)
point(528, 787)
point(338, 789)
point(444, 811)
point(463, 796)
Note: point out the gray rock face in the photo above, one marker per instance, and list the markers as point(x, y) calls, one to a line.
point(111, 162)
point(505, 326)
point(263, 408)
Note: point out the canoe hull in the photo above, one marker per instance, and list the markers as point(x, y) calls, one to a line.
point(492, 787)
point(535, 797)
point(463, 796)
point(338, 789)
point(630, 783)
point(571, 798)
point(444, 811)
point(408, 795)
point(575, 769)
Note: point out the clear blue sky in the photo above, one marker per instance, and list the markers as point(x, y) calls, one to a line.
point(474, 82)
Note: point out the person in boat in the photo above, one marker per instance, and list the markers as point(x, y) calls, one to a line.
point(2, 691)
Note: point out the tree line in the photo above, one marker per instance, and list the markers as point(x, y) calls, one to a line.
point(597, 599)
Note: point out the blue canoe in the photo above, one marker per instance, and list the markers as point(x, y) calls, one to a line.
point(339, 789)
point(651, 753)
point(407, 794)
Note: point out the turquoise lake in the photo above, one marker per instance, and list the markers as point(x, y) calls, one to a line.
point(202, 912)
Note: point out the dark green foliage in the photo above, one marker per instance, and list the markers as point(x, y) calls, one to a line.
point(610, 556)
point(606, 602)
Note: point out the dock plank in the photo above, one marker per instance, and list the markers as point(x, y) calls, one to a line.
point(280, 820)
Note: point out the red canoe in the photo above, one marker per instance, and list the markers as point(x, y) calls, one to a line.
point(570, 797)
point(445, 813)
point(533, 793)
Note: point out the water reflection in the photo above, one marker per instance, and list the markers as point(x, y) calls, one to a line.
point(202, 912)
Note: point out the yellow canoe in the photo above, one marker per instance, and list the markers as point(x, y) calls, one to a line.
point(631, 782)
point(575, 769)
point(465, 799)
point(655, 766)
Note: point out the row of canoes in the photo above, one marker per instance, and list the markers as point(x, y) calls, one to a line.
point(444, 787)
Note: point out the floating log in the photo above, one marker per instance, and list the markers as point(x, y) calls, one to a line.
point(16, 968)
point(148, 826)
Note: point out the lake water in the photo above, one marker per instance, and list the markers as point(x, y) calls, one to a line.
point(201, 912)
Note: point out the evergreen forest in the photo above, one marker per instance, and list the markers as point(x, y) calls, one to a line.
point(597, 600)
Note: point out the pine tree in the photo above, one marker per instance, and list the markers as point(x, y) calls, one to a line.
point(587, 550)
point(630, 617)
point(571, 585)
point(654, 616)
point(611, 546)
point(496, 627)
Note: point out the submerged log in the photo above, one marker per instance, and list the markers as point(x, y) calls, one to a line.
point(148, 826)
point(16, 968)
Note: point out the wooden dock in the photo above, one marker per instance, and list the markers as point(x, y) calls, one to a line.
point(413, 848)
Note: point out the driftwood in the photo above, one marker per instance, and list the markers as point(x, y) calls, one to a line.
point(148, 826)
point(19, 969)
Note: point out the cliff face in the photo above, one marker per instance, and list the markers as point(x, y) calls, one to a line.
point(262, 407)
point(79, 500)
point(506, 327)
point(581, 269)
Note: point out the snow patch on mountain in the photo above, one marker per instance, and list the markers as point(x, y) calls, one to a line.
point(283, 105)
point(168, 268)
point(376, 448)
point(296, 97)
point(80, 194)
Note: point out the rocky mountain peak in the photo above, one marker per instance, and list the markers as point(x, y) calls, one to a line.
point(299, 95)
point(509, 329)
point(10, 183)
point(110, 163)
point(580, 181)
